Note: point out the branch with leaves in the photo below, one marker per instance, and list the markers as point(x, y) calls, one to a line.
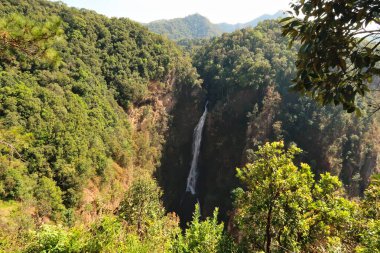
point(339, 53)
point(19, 35)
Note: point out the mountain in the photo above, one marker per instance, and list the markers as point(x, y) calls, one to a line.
point(199, 27)
point(74, 134)
point(98, 151)
point(225, 27)
point(247, 75)
point(190, 27)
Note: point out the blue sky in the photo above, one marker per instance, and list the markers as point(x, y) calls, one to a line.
point(232, 11)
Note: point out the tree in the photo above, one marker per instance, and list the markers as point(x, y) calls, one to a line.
point(201, 236)
point(53, 238)
point(371, 202)
point(370, 233)
point(282, 208)
point(339, 52)
point(269, 211)
point(370, 238)
point(49, 198)
point(330, 218)
point(142, 206)
point(23, 36)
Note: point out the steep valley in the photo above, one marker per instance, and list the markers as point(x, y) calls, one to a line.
point(97, 136)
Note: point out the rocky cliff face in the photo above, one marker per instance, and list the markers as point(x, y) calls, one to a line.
point(175, 162)
point(247, 75)
point(238, 123)
point(224, 141)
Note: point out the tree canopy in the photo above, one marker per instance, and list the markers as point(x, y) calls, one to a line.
point(339, 53)
point(287, 208)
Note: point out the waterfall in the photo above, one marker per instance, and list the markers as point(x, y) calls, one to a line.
point(197, 139)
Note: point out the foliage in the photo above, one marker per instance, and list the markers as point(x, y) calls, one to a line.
point(63, 125)
point(194, 27)
point(287, 209)
point(52, 238)
point(191, 27)
point(92, 121)
point(277, 193)
point(201, 236)
point(248, 58)
point(257, 66)
point(141, 206)
point(370, 233)
point(49, 198)
point(22, 37)
point(371, 201)
point(339, 50)
point(106, 235)
point(331, 217)
point(370, 238)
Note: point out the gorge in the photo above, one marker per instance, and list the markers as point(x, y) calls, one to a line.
point(197, 141)
point(111, 134)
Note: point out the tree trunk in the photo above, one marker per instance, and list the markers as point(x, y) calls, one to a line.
point(267, 234)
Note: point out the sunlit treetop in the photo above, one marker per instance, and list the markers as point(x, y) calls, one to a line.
point(23, 37)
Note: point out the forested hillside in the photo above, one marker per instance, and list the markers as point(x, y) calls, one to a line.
point(191, 27)
point(247, 75)
point(101, 119)
point(199, 27)
point(76, 133)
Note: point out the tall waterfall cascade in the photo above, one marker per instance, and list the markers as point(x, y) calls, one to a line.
point(197, 139)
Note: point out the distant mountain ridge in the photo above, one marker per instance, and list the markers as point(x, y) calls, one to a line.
point(197, 26)
point(191, 27)
point(226, 27)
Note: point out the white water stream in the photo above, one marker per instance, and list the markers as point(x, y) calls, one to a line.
point(197, 139)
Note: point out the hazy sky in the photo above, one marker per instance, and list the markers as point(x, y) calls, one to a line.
point(231, 11)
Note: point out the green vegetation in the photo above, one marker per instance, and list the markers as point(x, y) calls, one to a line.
point(339, 51)
point(22, 37)
point(289, 210)
point(191, 27)
point(259, 62)
point(111, 233)
point(225, 27)
point(195, 27)
point(75, 129)
point(206, 236)
point(85, 105)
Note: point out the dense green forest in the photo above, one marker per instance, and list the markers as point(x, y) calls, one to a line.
point(96, 123)
point(191, 27)
point(196, 26)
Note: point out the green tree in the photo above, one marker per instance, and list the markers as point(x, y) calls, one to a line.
point(269, 212)
point(107, 234)
point(283, 209)
point(370, 238)
point(201, 236)
point(141, 206)
point(52, 238)
point(331, 219)
point(370, 231)
point(23, 36)
point(339, 51)
point(371, 201)
point(49, 198)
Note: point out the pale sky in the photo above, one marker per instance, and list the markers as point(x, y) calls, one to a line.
point(231, 11)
